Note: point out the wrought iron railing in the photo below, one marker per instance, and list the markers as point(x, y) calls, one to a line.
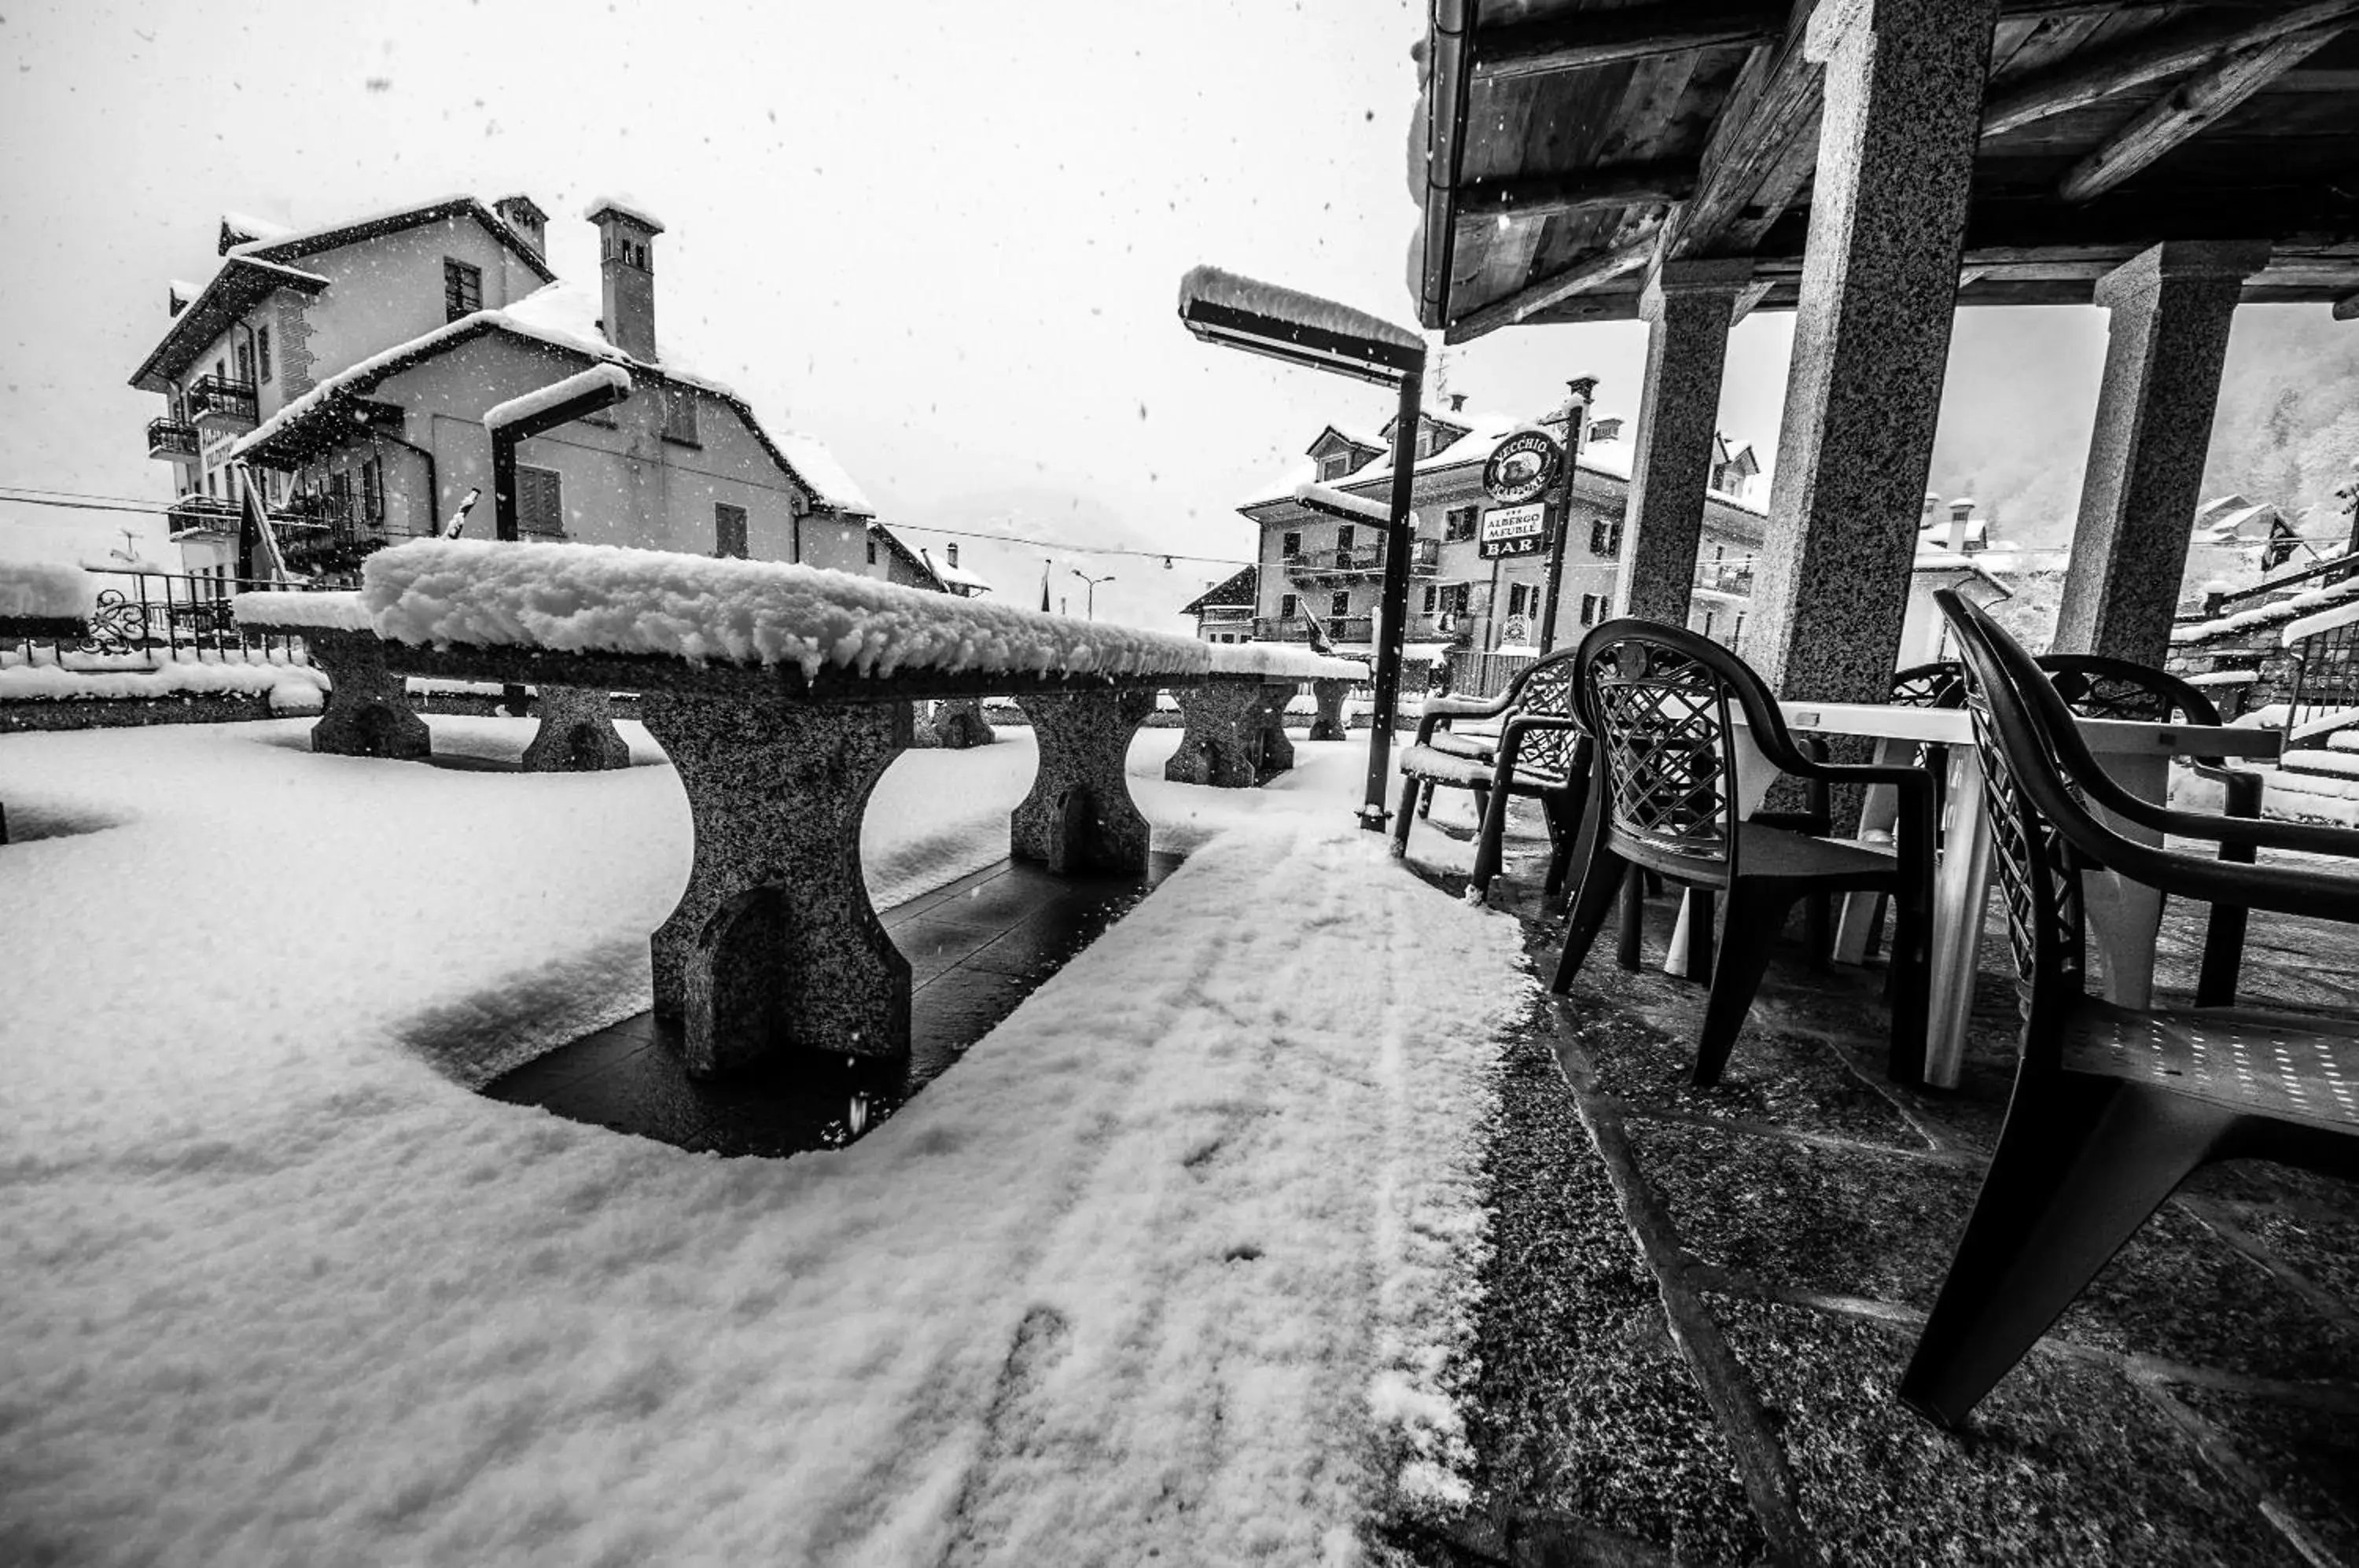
point(156, 618)
point(2318, 574)
point(202, 514)
point(171, 438)
point(1425, 556)
point(222, 400)
point(2326, 676)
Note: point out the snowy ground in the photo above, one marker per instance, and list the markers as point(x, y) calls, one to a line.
point(1173, 1264)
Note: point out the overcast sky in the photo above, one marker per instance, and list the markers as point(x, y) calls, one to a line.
point(945, 238)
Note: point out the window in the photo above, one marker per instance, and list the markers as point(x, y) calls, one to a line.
point(1286, 606)
point(872, 550)
point(1344, 536)
point(1289, 546)
point(540, 503)
point(262, 350)
point(1519, 598)
point(1456, 597)
point(1432, 594)
point(373, 490)
point(1459, 524)
point(462, 290)
point(1596, 607)
point(1334, 465)
point(246, 363)
point(679, 416)
point(1605, 536)
point(1339, 602)
point(728, 529)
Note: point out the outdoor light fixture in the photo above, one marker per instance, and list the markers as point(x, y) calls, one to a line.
point(1091, 601)
point(1320, 335)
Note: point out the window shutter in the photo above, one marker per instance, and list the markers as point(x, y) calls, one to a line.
point(728, 530)
point(540, 502)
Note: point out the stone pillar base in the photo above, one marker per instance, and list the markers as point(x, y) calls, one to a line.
point(1236, 734)
point(368, 712)
point(959, 724)
point(1080, 816)
point(1329, 724)
point(576, 733)
point(774, 950)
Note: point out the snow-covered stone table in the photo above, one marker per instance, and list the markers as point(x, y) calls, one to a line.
point(1236, 736)
point(781, 694)
point(40, 600)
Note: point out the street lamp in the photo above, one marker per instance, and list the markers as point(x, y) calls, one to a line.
point(1091, 601)
point(1320, 335)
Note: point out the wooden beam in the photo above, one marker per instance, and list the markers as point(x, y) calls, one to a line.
point(1633, 32)
point(1534, 298)
point(2165, 51)
point(1773, 108)
point(2187, 109)
point(1749, 296)
point(1618, 185)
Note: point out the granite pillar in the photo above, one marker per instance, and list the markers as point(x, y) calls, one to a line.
point(1903, 117)
point(1329, 724)
point(368, 712)
point(959, 724)
point(576, 733)
point(774, 950)
point(2168, 337)
point(1690, 307)
point(1236, 735)
point(1080, 816)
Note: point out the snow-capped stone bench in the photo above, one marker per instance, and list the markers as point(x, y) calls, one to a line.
point(39, 600)
point(1236, 735)
point(781, 694)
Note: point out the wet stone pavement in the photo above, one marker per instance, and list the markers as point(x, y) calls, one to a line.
point(1699, 1301)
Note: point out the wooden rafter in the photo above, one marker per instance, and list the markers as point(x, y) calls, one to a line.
point(1773, 110)
point(1620, 185)
point(2153, 56)
point(1538, 295)
point(1633, 32)
point(2187, 109)
point(1749, 296)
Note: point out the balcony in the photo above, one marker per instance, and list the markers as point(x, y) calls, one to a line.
point(1730, 578)
point(1340, 628)
point(172, 440)
point(220, 406)
point(1360, 561)
point(192, 516)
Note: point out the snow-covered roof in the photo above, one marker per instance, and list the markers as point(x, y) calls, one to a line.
point(240, 228)
point(636, 211)
point(517, 409)
point(1241, 590)
point(952, 576)
point(1213, 287)
point(822, 474)
point(599, 598)
point(242, 282)
point(286, 246)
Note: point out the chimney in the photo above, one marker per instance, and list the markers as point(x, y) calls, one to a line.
point(627, 291)
point(521, 213)
point(1457, 402)
point(1961, 511)
point(950, 553)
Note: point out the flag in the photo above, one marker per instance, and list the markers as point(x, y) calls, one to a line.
point(257, 551)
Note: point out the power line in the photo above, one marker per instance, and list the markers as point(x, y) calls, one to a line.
point(76, 495)
point(1070, 549)
point(83, 505)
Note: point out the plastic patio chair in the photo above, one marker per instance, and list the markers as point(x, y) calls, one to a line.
point(1539, 753)
point(2113, 1107)
point(1659, 702)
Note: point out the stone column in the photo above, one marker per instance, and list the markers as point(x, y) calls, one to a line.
point(368, 712)
point(959, 724)
point(1080, 816)
point(1236, 734)
point(576, 733)
point(1689, 307)
point(1329, 725)
point(2165, 345)
point(774, 950)
point(1903, 116)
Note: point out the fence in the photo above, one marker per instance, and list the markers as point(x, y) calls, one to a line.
point(158, 618)
point(1475, 674)
point(2326, 672)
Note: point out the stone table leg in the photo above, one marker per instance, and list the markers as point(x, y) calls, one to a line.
point(1236, 736)
point(959, 724)
point(576, 733)
point(774, 950)
point(1080, 816)
point(368, 712)
point(1329, 723)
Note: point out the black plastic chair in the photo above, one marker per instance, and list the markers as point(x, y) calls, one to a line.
point(2112, 1107)
point(1663, 795)
point(1539, 753)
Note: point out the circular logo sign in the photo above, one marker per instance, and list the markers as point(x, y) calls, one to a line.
point(1522, 467)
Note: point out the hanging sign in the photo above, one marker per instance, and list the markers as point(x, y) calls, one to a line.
point(1512, 530)
point(1522, 467)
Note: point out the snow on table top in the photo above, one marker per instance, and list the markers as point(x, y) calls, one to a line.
point(577, 598)
point(334, 611)
point(1214, 287)
point(1317, 495)
point(41, 590)
point(542, 399)
point(1283, 659)
point(1177, 1260)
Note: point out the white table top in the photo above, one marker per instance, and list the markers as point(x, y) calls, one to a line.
point(1954, 726)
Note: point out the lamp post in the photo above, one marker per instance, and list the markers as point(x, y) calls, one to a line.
point(1320, 335)
point(1092, 599)
point(1581, 389)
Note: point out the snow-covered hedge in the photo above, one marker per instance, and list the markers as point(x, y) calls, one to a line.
point(322, 612)
point(600, 598)
point(37, 590)
point(46, 682)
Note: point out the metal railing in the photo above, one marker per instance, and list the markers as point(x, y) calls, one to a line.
point(1425, 556)
point(1340, 628)
point(224, 401)
point(201, 513)
point(2318, 574)
point(2325, 677)
point(171, 438)
point(156, 618)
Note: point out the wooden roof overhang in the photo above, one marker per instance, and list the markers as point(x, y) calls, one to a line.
point(1567, 143)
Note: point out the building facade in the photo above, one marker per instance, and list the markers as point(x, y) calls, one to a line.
point(347, 371)
point(1315, 563)
point(1224, 612)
